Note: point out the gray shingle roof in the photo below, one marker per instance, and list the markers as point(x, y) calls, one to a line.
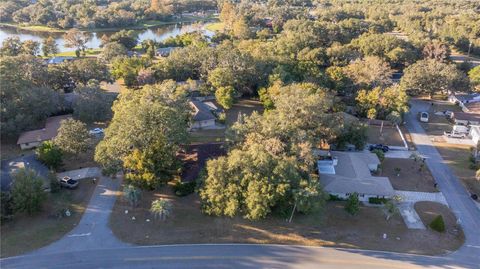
point(202, 111)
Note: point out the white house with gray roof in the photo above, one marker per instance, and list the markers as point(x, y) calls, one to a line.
point(203, 117)
point(344, 173)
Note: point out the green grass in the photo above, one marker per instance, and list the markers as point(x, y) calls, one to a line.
point(216, 26)
point(34, 28)
point(89, 52)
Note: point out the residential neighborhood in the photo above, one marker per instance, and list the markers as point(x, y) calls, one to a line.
point(240, 134)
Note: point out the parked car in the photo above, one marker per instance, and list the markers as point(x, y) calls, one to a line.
point(448, 113)
point(96, 131)
point(379, 146)
point(454, 134)
point(424, 116)
point(68, 182)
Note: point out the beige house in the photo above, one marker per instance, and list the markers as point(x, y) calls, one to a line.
point(32, 139)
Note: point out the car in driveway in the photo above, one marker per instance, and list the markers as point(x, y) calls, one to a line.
point(454, 134)
point(379, 146)
point(424, 116)
point(68, 182)
point(96, 131)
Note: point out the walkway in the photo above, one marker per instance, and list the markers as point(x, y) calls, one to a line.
point(92, 232)
point(416, 196)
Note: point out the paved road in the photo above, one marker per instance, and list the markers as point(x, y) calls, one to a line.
point(95, 254)
point(455, 194)
point(233, 256)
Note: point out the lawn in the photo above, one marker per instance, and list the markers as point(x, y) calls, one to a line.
point(412, 176)
point(215, 27)
point(244, 106)
point(26, 233)
point(88, 52)
point(388, 135)
point(430, 210)
point(334, 227)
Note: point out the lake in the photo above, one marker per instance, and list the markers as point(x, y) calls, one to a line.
point(158, 33)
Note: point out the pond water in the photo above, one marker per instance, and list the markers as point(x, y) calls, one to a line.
point(158, 33)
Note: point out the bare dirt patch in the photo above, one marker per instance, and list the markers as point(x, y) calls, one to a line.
point(388, 135)
point(25, 233)
point(195, 157)
point(430, 210)
point(412, 176)
point(333, 227)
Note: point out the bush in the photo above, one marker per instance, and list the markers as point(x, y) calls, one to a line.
point(334, 197)
point(184, 189)
point(438, 224)
point(380, 154)
point(353, 204)
point(6, 206)
point(377, 201)
point(27, 191)
point(55, 185)
point(49, 154)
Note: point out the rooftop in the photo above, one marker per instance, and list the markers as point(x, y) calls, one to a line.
point(47, 133)
point(352, 174)
point(202, 111)
point(466, 116)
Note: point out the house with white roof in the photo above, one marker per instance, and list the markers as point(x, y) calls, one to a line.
point(345, 173)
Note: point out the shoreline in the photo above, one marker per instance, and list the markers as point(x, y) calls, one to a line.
point(141, 26)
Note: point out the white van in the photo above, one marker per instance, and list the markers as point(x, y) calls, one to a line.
point(462, 129)
point(424, 116)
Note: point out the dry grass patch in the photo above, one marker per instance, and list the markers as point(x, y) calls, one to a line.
point(333, 227)
point(388, 135)
point(26, 233)
point(412, 176)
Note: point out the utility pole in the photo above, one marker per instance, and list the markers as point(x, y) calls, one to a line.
point(469, 48)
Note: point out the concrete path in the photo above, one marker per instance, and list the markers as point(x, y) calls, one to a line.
point(78, 174)
point(410, 216)
point(92, 232)
point(399, 154)
point(415, 196)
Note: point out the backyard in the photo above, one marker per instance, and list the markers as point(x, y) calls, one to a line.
point(244, 106)
point(25, 233)
point(332, 227)
point(412, 176)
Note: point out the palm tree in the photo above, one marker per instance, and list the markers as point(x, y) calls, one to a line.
point(161, 208)
point(132, 194)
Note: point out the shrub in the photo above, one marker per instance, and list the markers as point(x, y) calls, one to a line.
point(184, 189)
point(438, 224)
point(55, 185)
point(380, 154)
point(222, 117)
point(161, 208)
point(334, 197)
point(377, 201)
point(132, 194)
point(6, 206)
point(49, 154)
point(353, 204)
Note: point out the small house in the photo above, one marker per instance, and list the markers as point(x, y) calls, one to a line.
point(31, 139)
point(202, 116)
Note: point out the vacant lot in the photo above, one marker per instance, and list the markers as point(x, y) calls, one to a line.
point(242, 106)
point(457, 157)
point(25, 233)
point(195, 157)
point(429, 210)
point(333, 227)
point(388, 135)
point(412, 176)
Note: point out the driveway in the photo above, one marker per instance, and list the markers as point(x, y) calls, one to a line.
point(455, 194)
point(88, 172)
point(92, 232)
point(29, 162)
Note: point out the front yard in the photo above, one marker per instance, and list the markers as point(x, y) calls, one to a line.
point(430, 210)
point(334, 227)
point(25, 233)
point(412, 176)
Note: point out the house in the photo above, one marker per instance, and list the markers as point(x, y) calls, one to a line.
point(468, 102)
point(344, 173)
point(475, 133)
point(202, 115)
point(165, 52)
point(462, 118)
point(31, 139)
